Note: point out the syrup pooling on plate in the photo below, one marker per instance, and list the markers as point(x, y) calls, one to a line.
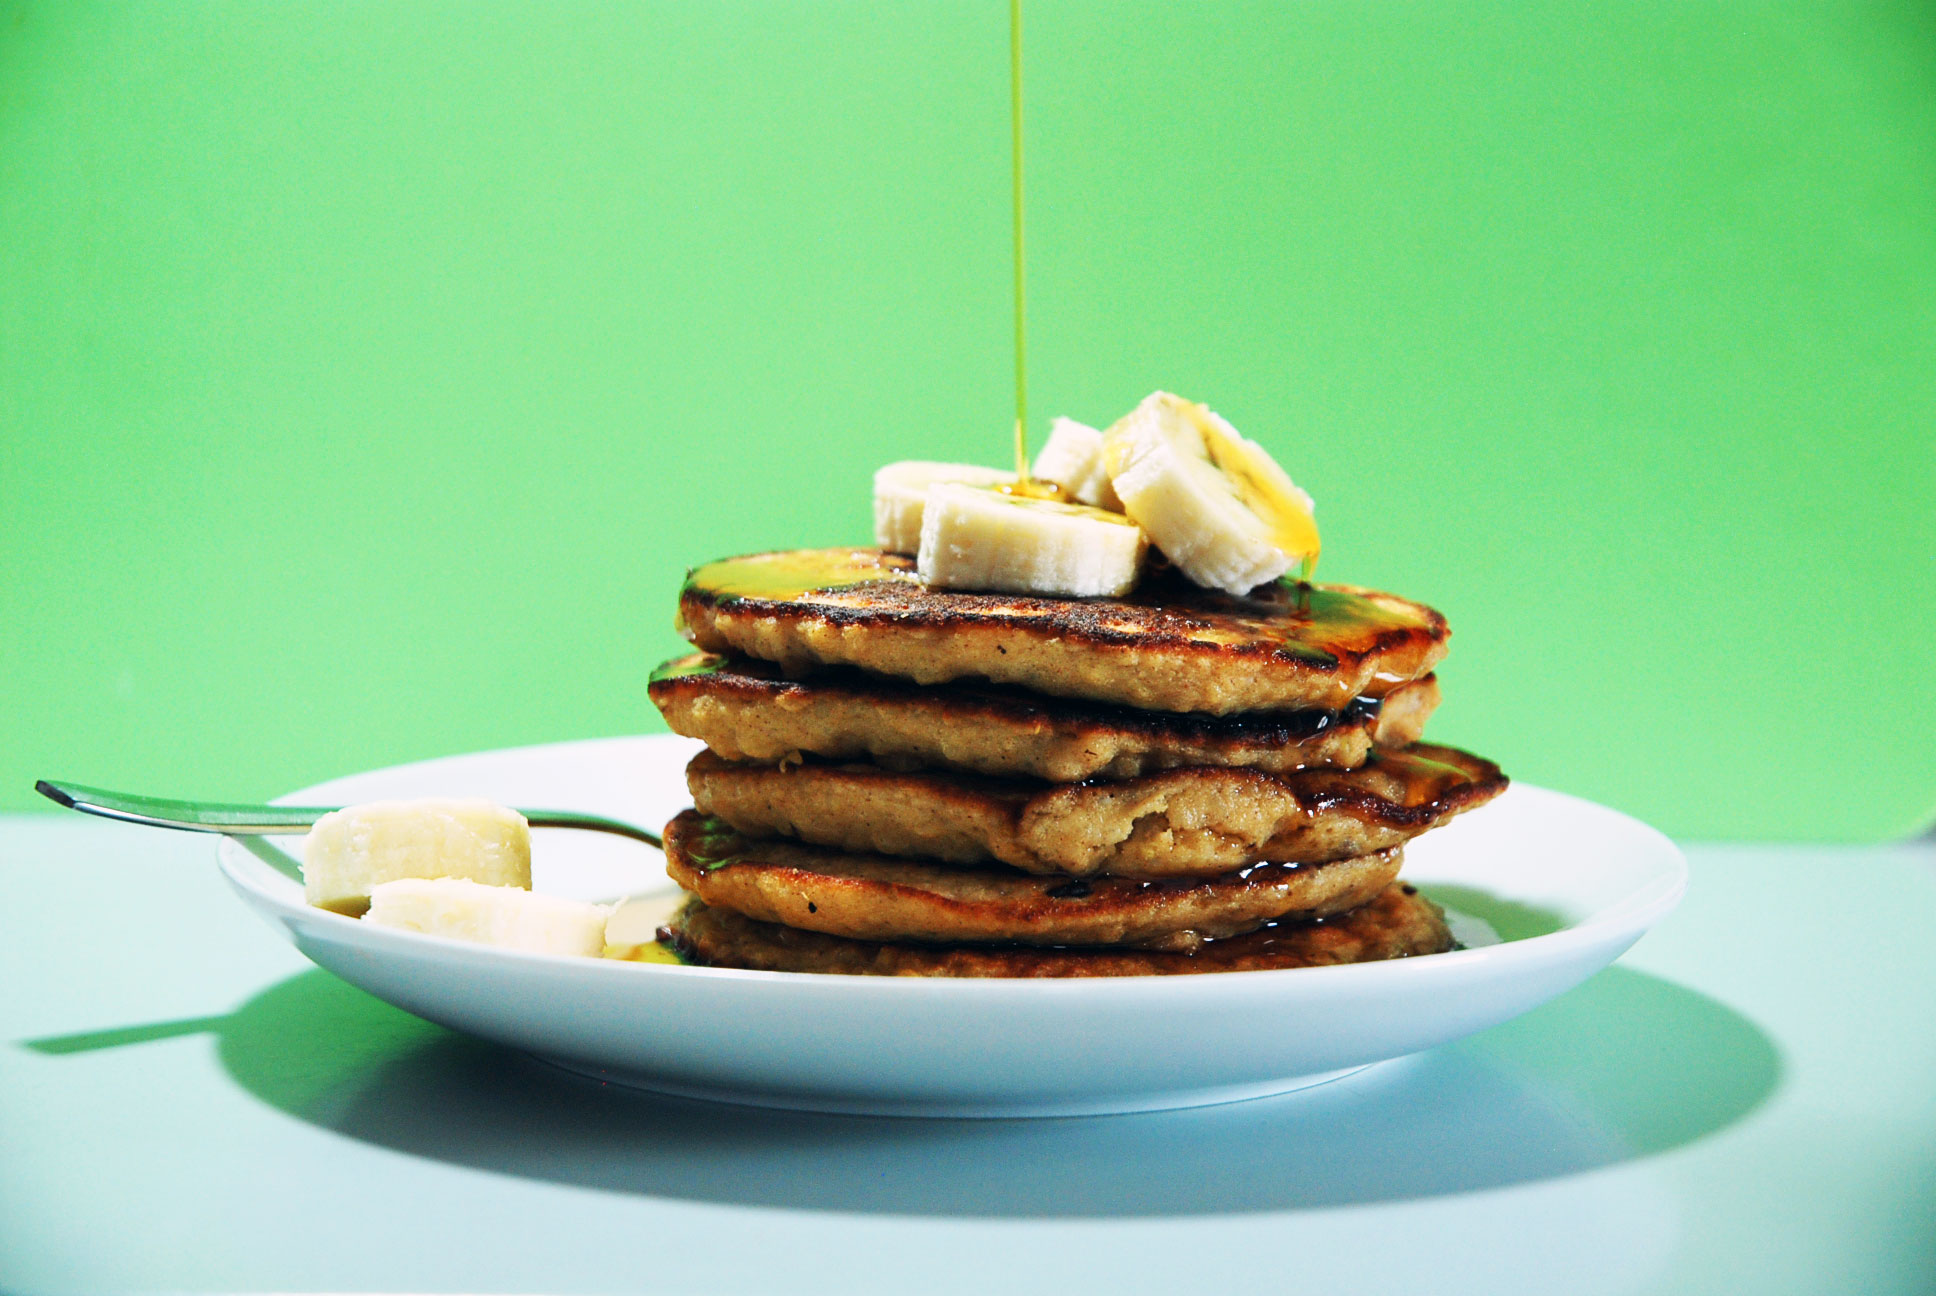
point(1315, 623)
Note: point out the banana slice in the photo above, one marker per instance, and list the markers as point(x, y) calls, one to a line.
point(1218, 506)
point(1072, 459)
point(980, 539)
point(349, 852)
point(901, 492)
point(490, 915)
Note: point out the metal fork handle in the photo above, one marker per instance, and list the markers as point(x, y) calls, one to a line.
point(257, 820)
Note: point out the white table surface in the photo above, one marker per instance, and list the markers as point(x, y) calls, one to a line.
point(1746, 1102)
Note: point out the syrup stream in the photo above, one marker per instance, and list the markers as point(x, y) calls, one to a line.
point(1021, 260)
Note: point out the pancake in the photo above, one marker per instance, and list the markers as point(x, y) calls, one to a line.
point(878, 897)
point(747, 710)
point(1397, 923)
point(1168, 646)
point(1185, 823)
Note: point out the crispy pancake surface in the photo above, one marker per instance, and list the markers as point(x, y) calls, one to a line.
point(748, 710)
point(876, 897)
point(1169, 646)
point(1182, 823)
point(1397, 923)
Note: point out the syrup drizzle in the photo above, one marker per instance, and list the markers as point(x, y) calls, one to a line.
point(1021, 255)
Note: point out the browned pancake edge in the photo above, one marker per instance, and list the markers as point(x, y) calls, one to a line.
point(1397, 923)
point(1169, 646)
point(748, 710)
point(877, 897)
point(1182, 823)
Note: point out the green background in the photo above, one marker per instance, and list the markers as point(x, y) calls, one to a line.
point(370, 373)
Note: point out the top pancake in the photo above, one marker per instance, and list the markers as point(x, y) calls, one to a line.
point(1167, 646)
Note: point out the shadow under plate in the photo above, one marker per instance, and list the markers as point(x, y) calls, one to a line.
point(1625, 1066)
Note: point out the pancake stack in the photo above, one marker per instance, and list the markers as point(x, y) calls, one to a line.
point(904, 780)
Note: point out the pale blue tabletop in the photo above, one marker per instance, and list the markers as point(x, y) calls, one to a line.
point(1746, 1102)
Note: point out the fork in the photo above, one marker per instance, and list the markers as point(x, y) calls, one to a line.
point(258, 820)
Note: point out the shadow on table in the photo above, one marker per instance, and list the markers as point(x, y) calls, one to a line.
point(1625, 1066)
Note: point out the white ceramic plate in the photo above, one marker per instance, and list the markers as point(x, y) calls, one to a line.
point(1593, 879)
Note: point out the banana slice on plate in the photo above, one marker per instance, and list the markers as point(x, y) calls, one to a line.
point(1217, 505)
point(901, 492)
point(508, 917)
point(980, 539)
point(1072, 459)
point(351, 851)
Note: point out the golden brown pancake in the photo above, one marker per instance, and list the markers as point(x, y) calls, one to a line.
point(1168, 646)
point(1397, 923)
point(878, 897)
point(747, 710)
point(1183, 823)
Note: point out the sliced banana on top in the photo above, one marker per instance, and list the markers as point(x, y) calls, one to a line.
point(1217, 505)
point(1072, 459)
point(980, 539)
point(901, 492)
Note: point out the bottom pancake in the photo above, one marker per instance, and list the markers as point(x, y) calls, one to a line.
point(1397, 923)
point(878, 897)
